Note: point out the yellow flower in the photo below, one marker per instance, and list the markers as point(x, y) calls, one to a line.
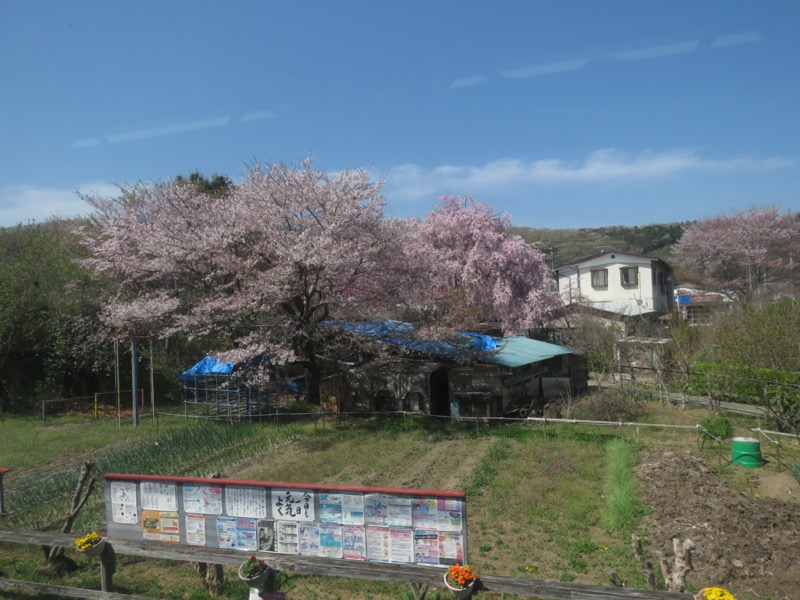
point(87, 541)
point(717, 593)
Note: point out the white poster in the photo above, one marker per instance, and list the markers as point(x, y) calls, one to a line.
point(243, 501)
point(401, 544)
point(352, 509)
point(286, 537)
point(376, 507)
point(398, 513)
point(158, 495)
point(293, 505)
point(123, 502)
point(378, 548)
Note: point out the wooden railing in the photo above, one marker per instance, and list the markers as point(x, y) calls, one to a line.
point(408, 574)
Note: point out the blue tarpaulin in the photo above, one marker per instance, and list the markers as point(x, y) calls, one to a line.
point(210, 365)
point(399, 333)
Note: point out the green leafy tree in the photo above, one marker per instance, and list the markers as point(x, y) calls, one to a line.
point(45, 314)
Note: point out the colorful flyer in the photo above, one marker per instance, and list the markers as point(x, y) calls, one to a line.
point(195, 529)
point(202, 499)
point(451, 548)
point(450, 515)
point(330, 508)
point(352, 509)
point(308, 536)
point(424, 513)
point(226, 532)
point(426, 547)
point(161, 526)
point(401, 544)
point(378, 548)
point(237, 533)
point(354, 543)
point(330, 540)
point(376, 509)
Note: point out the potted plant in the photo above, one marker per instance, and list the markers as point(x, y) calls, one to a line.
point(91, 544)
point(714, 593)
point(460, 580)
point(253, 571)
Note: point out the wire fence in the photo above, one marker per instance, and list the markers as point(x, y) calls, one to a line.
point(100, 404)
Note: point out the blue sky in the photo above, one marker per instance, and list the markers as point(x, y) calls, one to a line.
point(561, 113)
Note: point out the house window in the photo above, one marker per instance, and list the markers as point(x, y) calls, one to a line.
point(629, 276)
point(600, 278)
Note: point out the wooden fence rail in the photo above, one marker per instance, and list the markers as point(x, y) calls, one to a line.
point(407, 574)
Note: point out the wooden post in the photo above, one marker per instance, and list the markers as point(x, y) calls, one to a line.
point(108, 566)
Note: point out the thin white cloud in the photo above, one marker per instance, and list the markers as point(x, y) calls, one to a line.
point(84, 143)
point(257, 115)
point(28, 203)
point(657, 51)
point(547, 69)
point(737, 39)
point(636, 54)
point(412, 181)
point(468, 81)
point(168, 130)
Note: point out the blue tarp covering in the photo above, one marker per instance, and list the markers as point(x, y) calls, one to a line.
point(399, 333)
point(210, 365)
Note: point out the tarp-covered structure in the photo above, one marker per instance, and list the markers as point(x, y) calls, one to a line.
point(468, 374)
point(218, 389)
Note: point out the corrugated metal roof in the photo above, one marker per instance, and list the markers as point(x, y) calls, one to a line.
point(518, 351)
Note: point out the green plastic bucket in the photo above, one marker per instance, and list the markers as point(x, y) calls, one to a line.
point(746, 452)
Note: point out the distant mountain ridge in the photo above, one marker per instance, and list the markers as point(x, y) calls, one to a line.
point(570, 244)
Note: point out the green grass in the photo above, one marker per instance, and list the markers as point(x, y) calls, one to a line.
point(545, 502)
point(622, 507)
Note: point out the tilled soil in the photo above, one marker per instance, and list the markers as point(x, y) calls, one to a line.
point(744, 542)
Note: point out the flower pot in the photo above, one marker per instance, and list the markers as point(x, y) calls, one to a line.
point(97, 549)
point(459, 592)
point(256, 581)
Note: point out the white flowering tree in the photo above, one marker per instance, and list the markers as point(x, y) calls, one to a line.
point(478, 271)
point(742, 252)
point(258, 269)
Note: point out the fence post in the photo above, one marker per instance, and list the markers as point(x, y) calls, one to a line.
point(108, 566)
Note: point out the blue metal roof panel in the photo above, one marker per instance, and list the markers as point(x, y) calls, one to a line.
point(518, 351)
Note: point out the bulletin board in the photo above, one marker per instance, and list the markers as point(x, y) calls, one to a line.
point(385, 525)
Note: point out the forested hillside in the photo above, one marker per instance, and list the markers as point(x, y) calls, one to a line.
point(569, 244)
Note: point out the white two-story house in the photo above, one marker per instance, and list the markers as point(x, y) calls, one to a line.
point(619, 283)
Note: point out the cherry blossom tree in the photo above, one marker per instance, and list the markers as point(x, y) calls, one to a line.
point(258, 269)
point(478, 271)
point(742, 252)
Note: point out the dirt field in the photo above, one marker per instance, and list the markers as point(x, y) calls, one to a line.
point(747, 542)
